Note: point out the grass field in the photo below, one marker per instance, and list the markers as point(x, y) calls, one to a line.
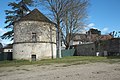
point(73, 60)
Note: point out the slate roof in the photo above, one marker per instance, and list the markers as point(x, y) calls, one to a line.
point(105, 37)
point(92, 37)
point(35, 15)
point(80, 37)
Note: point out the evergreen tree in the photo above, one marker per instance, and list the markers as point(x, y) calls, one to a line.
point(19, 10)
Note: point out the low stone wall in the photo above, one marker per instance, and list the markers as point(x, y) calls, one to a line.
point(85, 50)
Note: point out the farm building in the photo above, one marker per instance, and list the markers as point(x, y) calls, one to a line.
point(91, 36)
point(92, 42)
point(6, 52)
point(109, 47)
point(34, 37)
point(8, 48)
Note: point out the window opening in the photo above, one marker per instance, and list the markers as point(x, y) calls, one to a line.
point(34, 37)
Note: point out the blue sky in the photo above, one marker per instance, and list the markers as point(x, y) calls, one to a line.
point(102, 14)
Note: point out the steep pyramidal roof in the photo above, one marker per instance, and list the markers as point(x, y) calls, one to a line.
point(35, 15)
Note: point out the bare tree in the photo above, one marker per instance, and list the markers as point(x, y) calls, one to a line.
point(58, 9)
point(67, 14)
point(73, 21)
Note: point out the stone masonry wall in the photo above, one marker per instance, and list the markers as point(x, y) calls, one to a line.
point(41, 50)
point(114, 45)
point(85, 50)
point(44, 46)
point(23, 31)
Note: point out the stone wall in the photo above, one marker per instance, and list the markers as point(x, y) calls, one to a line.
point(23, 31)
point(41, 50)
point(114, 45)
point(105, 48)
point(85, 50)
point(34, 38)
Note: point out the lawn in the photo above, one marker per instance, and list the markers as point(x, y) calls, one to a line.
point(73, 60)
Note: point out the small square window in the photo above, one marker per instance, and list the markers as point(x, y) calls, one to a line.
point(92, 48)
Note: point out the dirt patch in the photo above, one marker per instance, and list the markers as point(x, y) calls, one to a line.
point(3, 75)
point(99, 72)
point(117, 69)
point(91, 71)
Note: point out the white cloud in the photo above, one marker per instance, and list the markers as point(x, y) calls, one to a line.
point(105, 30)
point(83, 31)
point(91, 25)
point(2, 31)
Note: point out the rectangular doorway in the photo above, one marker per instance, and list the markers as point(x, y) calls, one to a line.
point(33, 57)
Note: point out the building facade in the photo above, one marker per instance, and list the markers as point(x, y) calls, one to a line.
point(91, 36)
point(34, 37)
point(8, 48)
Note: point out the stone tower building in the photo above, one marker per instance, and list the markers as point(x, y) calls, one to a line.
point(34, 37)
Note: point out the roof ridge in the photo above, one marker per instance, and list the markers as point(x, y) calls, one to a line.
point(35, 15)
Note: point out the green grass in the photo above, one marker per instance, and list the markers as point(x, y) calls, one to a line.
point(73, 60)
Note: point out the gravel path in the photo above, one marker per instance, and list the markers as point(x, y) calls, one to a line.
point(92, 71)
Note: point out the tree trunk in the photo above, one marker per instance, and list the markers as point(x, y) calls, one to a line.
point(59, 43)
point(67, 46)
point(59, 39)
